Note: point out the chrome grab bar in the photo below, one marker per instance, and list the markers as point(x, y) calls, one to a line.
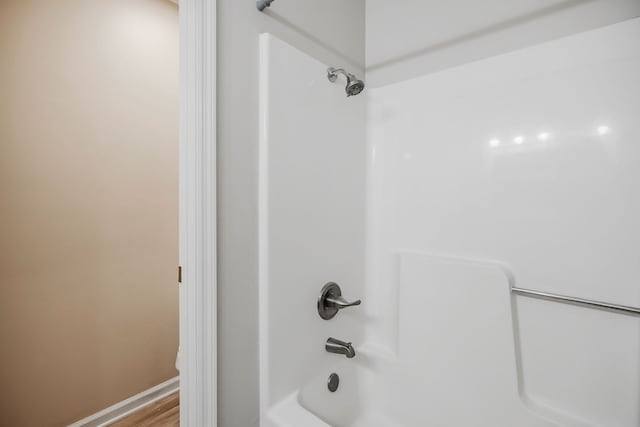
point(621, 309)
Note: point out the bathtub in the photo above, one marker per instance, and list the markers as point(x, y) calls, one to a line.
point(315, 406)
point(467, 374)
point(378, 392)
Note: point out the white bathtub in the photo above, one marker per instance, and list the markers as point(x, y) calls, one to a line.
point(349, 406)
point(381, 393)
point(465, 374)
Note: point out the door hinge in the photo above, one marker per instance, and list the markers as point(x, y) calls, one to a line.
point(179, 274)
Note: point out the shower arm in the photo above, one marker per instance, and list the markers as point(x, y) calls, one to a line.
point(332, 74)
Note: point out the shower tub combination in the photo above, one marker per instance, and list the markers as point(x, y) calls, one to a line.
point(470, 370)
point(446, 225)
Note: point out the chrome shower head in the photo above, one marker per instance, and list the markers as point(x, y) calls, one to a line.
point(354, 85)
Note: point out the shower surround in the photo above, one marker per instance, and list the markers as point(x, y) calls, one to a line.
point(517, 170)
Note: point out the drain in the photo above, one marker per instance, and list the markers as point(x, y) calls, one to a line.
point(333, 383)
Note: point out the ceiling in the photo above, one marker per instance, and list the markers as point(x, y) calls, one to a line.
point(405, 38)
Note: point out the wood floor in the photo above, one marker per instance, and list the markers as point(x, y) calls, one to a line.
point(163, 413)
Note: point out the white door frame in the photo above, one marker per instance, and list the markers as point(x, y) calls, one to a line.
point(197, 213)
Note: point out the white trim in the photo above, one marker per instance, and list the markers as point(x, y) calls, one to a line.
point(128, 406)
point(198, 369)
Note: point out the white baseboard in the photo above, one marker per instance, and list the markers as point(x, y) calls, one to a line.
point(126, 407)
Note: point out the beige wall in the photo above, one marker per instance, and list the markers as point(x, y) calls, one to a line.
point(88, 215)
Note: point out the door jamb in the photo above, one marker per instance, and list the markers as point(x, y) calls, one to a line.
point(197, 214)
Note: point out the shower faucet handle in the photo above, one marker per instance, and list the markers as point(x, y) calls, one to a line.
point(330, 301)
point(342, 303)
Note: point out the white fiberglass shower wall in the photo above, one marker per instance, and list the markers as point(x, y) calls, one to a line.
point(517, 170)
point(526, 163)
point(312, 209)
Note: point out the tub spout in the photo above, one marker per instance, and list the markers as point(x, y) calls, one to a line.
point(340, 347)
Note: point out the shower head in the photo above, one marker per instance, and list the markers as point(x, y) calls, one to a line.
point(354, 85)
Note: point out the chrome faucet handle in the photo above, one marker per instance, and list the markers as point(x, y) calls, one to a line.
point(330, 301)
point(341, 302)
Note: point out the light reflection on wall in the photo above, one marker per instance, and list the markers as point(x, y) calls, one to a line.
point(541, 137)
point(544, 136)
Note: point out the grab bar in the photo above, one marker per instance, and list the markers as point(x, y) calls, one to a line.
point(621, 309)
